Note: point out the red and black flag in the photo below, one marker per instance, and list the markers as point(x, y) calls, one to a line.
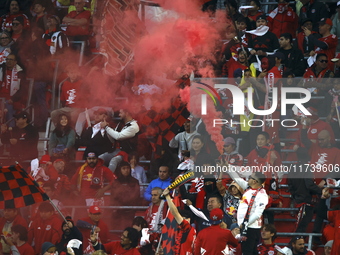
point(17, 189)
point(169, 230)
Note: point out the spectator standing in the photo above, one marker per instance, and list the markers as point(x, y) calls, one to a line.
point(314, 10)
point(183, 140)
point(124, 184)
point(12, 86)
point(163, 181)
point(137, 171)
point(303, 43)
point(267, 42)
point(78, 23)
point(95, 138)
point(336, 24)
point(156, 211)
point(71, 95)
point(250, 210)
point(45, 227)
point(283, 19)
point(40, 18)
point(55, 39)
point(327, 43)
point(293, 58)
point(5, 45)
point(88, 181)
point(124, 136)
point(95, 221)
point(214, 239)
point(23, 138)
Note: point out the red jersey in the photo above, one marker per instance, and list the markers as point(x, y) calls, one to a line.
point(334, 217)
point(323, 159)
point(25, 249)
point(213, 240)
point(185, 237)
point(79, 30)
point(332, 41)
point(266, 249)
point(316, 127)
point(89, 180)
point(41, 231)
point(115, 248)
point(70, 93)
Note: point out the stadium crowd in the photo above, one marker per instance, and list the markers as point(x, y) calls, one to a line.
point(103, 155)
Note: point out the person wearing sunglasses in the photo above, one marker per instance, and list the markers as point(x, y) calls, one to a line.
point(297, 245)
point(250, 209)
point(327, 43)
point(127, 244)
point(317, 78)
point(5, 45)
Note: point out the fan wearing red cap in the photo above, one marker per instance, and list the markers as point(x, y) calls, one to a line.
point(327, 43)
point(93, 221)
point(214, 239)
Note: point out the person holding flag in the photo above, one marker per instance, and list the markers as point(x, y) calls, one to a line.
point(185, 234)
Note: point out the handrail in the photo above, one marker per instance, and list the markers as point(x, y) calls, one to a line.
point(82, 49)
point(54, 81)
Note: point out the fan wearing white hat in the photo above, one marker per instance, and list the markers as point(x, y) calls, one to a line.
point(336, 64)
point(283, 251)
point(328, 247)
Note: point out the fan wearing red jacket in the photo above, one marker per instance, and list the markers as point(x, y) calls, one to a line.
point(94, 219)
point(283, 19)
point(214, 239)
point(45, 227)
point(88, 181)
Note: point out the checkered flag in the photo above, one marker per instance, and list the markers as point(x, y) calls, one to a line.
point(17, 189)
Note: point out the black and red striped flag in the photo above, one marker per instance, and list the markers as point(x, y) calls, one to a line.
point(169, 230)
point(18, 189)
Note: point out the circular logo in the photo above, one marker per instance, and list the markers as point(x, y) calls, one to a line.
point(313, 131)
point(232, 160)
point(96, 180)
point(313, 11)
point(48, 227)
point(289, 14)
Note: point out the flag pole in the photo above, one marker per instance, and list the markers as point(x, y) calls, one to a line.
point(57, 209)
point(44, 193)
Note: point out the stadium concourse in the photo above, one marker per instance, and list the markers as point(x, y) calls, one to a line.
point(119, 135)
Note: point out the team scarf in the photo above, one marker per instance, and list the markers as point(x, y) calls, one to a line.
point(94, 176)
point(280, 9)
point(158, 218)
point(246, 217)
point(15, 81)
